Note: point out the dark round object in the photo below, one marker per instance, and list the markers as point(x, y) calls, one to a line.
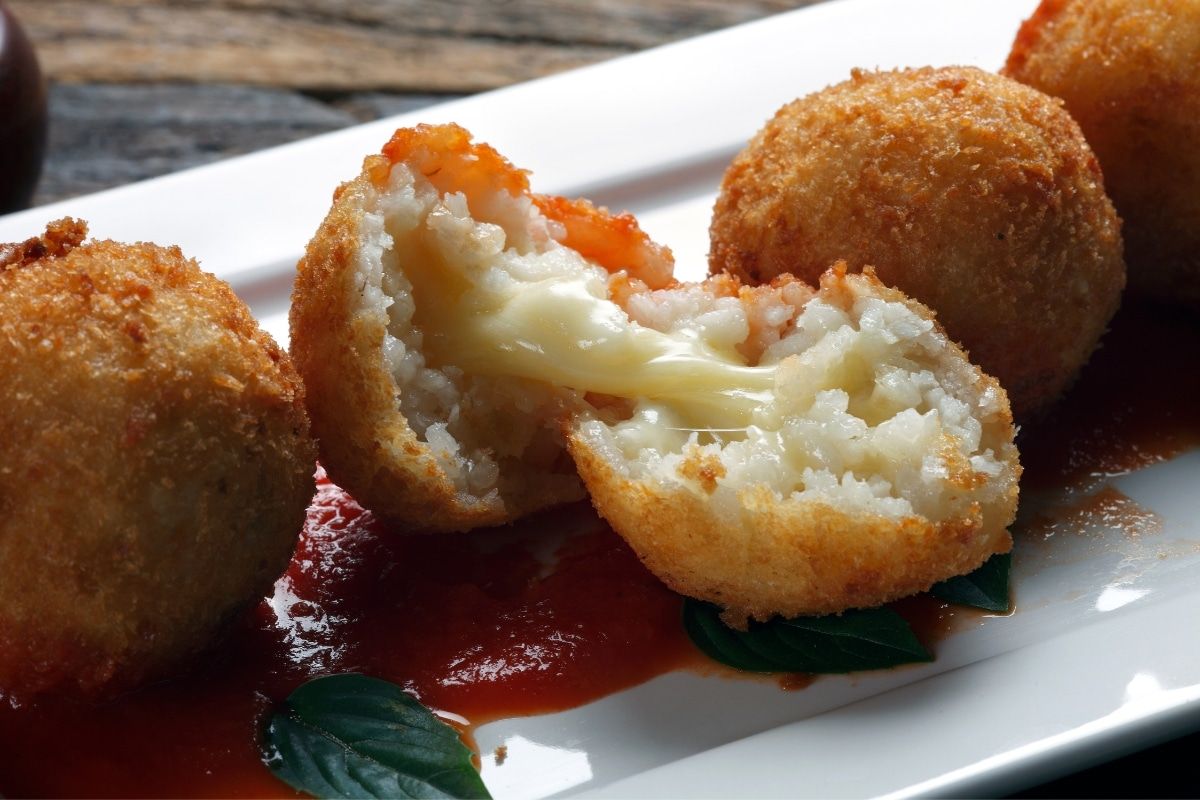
point(23, 121)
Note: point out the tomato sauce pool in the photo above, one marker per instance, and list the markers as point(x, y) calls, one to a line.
point(499, 623)
point(483, 625)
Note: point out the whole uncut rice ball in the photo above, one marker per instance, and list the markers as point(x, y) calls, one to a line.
point(155, 462)
point(1129, 72)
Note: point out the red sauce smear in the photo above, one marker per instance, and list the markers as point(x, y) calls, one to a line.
point(481, 626)
point(932, 619)
point(473, 624)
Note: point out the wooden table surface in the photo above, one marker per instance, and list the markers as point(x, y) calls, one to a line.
point(140, 88)
point(144, 87)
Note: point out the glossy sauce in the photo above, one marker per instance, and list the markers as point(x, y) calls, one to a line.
point(1137, 403)
point(932, 620)
point(488, 625)
point(477, 625)
point(1093, 514)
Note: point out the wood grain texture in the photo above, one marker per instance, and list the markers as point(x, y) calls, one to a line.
point(104, 135)
point(340, 45)
point(145, 87)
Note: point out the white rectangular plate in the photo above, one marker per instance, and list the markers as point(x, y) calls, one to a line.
point(1101, 657)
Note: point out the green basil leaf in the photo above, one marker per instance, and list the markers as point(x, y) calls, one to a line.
point(354, 736)
point(986, 587)
point(718, 641)
point(852, 641)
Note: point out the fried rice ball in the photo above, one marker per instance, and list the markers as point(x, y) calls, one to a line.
point(970, 192)
point(1129, 72)
point(155, 462)
point(879, 461)
point(776, 450)
point(406, 431)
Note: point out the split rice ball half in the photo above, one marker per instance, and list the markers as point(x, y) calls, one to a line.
point(473, 352)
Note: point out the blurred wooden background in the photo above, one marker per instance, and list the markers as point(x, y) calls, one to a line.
point(144, 87)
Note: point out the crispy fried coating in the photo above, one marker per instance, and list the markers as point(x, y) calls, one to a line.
point(970, 192)
point(155, 462)
point(1129, 72)
point(426, 448)
point(774, 449)
point(783, 523)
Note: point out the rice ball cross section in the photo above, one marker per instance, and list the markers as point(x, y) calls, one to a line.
point(776, 450)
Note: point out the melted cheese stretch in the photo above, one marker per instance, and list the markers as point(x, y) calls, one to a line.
point(560, 331)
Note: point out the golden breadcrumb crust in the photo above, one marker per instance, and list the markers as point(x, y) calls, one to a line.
point(155, 462)
point(366, 443)
point(777, 556)
point(970, 192)
point(789, 557)
point(1129, 72)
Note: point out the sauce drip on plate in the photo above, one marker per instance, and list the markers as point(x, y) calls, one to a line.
point(481, 625)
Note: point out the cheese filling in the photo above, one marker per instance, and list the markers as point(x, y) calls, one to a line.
point(493, 325)
point(562, 330)
point(490, 304)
